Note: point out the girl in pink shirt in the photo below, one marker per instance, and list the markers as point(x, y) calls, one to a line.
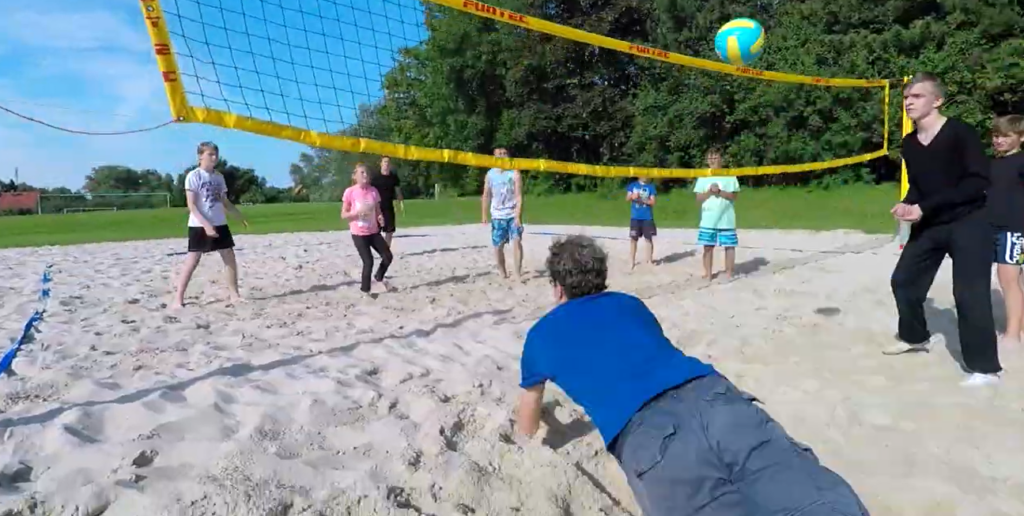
point(360, 206)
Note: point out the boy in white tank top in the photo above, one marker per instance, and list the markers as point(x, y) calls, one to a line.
point(503, 200)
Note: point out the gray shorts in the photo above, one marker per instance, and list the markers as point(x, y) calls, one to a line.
point(705, 449)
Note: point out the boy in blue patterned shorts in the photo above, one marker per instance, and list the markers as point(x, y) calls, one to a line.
point(503, 193)
point(716, 195)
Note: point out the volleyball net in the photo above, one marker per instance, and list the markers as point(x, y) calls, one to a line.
point(318, 72)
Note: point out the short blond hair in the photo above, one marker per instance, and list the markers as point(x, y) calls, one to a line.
point(205, 146)
point(1008, 125)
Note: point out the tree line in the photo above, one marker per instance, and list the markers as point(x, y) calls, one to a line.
point(475, 84)
point(244, 187)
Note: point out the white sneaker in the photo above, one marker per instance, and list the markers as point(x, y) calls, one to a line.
point(979, 379)
point(901, 347)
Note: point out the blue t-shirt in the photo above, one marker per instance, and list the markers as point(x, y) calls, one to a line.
point(607, 351)
point(637, 210)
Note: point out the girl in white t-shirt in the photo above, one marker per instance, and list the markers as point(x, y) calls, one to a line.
point(208, 231)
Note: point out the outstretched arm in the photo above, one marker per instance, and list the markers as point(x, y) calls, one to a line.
point(528, 410)
point(518, 181)
point(377, 213)
point(485, 199)
point(190, 200)
point(234, 209)
point(347, 213)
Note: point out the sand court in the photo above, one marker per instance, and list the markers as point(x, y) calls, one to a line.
point(312, 399)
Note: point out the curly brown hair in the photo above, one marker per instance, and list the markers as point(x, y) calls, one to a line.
point(578, 265)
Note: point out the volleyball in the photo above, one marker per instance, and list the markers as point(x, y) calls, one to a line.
point(740, 41)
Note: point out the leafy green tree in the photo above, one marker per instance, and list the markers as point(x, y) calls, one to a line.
point(475, 84)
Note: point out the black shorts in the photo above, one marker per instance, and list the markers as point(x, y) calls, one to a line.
point(199, 242)
point(388, 211)
point(642, 228)
point(1009, 248)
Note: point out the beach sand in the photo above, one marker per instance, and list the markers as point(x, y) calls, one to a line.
point(312, 399)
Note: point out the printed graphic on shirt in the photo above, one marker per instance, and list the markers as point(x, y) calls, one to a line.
point(503, 193)
point(639, 209)
point(210, 189)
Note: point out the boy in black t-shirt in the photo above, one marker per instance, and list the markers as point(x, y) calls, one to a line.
point(948, 174)
point(389, 187)
point(1006, 208)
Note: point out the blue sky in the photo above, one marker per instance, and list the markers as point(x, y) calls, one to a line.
point(88, 65)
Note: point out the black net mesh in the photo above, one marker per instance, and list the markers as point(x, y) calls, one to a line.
point(304, 63)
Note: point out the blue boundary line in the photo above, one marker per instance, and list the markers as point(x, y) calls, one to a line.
point(30, 325)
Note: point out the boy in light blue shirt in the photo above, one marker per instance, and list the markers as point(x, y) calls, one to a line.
point(716, 196)
point(641, 196)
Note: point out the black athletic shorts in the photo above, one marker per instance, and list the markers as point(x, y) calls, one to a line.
point(388, 211)
point(642, 228)
point(199, 242)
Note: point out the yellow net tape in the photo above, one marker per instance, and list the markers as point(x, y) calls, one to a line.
point(527, 22)
point(908, 126)
point(183, 112)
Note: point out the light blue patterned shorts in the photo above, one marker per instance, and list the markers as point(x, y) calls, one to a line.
point(717, 237)
point(503, 230)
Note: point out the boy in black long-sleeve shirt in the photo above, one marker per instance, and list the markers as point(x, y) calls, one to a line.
point(948, 175)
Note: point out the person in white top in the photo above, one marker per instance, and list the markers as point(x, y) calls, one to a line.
point(208, 231)
point(503, 195)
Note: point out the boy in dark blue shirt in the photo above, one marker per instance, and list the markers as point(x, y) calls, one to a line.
point(687, 439)
point(641, 196)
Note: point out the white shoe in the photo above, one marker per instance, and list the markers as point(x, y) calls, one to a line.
point(979, 379)
point(901, 347)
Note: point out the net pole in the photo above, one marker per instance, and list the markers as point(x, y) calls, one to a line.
point(885, 110)
point(907, 127)
point(156, 24)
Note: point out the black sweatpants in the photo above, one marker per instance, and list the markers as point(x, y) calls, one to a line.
point(968, 241)
point(363, 245)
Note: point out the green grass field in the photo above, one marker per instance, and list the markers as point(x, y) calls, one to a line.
point(858, 207)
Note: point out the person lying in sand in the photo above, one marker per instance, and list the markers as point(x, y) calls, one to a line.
point(687, 439)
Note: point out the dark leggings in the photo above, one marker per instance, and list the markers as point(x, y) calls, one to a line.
point(363, 245)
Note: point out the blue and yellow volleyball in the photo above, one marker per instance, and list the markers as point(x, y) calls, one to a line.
point(740, 41)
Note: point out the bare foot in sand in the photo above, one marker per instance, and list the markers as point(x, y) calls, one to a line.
point(384, 285)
